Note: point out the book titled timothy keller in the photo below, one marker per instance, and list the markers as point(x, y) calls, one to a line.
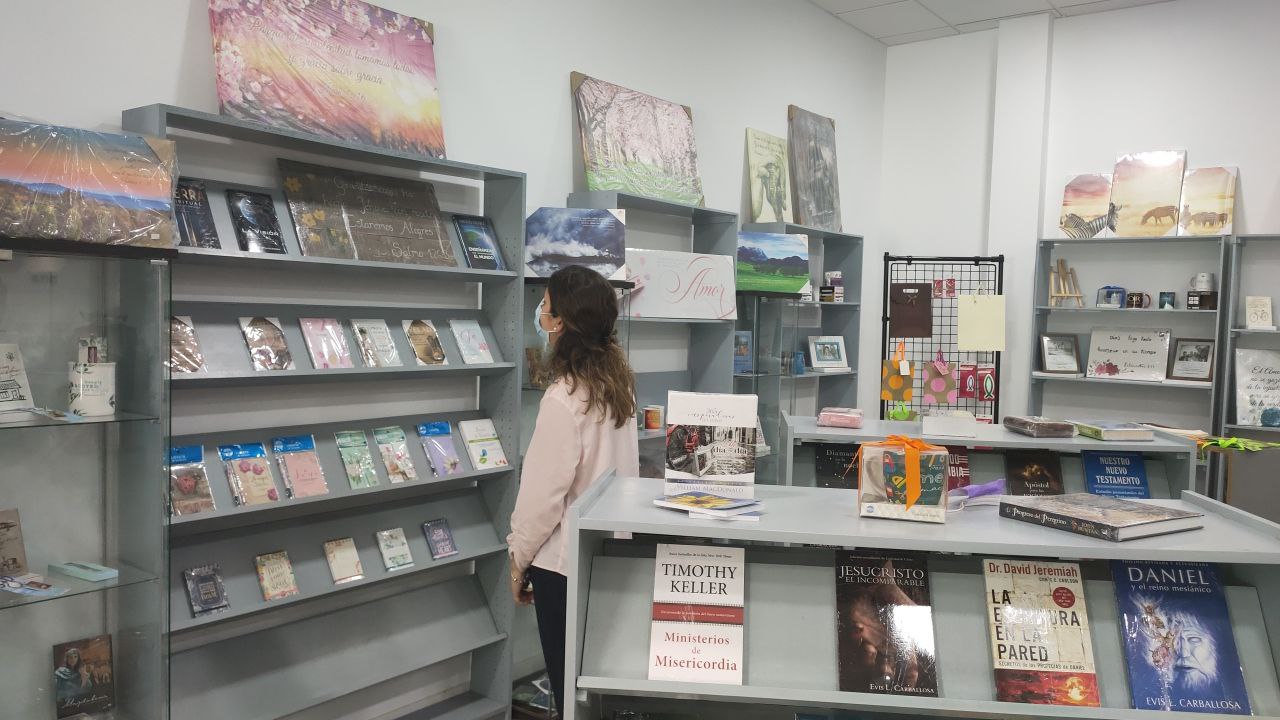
point(698, 608)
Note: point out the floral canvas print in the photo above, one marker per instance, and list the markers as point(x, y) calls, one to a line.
point(341, 69)
point(635, 142)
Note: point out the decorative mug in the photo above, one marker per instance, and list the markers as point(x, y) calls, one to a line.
point(1203, 282)
point(1137, 300)
point(1168, 300)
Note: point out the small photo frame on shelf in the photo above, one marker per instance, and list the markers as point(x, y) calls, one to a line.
point(1192, 359)
point(1060, 354)
point(1110, 297)
point(827, 351)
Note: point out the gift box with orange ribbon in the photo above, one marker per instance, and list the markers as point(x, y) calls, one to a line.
point(902, 478)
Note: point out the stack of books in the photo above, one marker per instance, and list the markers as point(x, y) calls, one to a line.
point(700, 505)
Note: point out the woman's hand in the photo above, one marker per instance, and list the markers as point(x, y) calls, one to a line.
point(521, 590)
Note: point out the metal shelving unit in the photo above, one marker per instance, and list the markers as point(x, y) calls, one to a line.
point(419, 624)
point(791, 647)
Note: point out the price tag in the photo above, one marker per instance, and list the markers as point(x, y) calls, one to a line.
point(904, 367)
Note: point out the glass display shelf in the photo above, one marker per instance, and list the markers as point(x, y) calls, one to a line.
point(32, 420)
point(75, 586)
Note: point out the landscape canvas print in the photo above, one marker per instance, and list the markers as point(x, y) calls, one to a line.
point(1208, 201)
point(1086, 203)
point(773, 262)
point(1145, 188)
point(815, 182)
point(342, 69)
point(636, 143)
point(767, 177)
point(558, 237)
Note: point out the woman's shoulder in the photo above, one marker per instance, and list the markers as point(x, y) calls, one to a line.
point(560, 392)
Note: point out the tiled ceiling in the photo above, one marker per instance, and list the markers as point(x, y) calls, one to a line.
point(894, 22)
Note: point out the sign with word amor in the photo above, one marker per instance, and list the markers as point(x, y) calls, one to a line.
point(1128, 354)
point(681, 285)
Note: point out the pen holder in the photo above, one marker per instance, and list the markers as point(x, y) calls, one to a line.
point(92, 388)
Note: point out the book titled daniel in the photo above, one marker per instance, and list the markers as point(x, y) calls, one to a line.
point(698, 608)
point(1105, 518)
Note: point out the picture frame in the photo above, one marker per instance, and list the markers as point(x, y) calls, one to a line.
point(1060, 354)
point(1129, 354)
point(1110, 297)
point(827, 351)
point(1192, 359)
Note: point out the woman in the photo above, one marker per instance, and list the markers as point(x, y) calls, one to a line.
point(586, 427)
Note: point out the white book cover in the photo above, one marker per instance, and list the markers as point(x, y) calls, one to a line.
point(699, 594)
point(377, 348)
point(471, 342)
point(394, 548)
point(673, 284)
point(483, 445)
point(15, 388)
point(711, 444)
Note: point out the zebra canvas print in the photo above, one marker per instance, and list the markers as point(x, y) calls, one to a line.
point(1208, 201)
point(1145, 188)
point(1085, 212)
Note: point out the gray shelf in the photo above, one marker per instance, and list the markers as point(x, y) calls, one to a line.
point(1252, 428)
point(1134, 311)
point(466, 706)
point(307, 375)
point(1161, 240)
point(1253, 331)
point(206, 257)
point(74, 586)
point(794, 229)
point(1166, 383)
point(612, 199)
point(681, 321)
point(32, 420)
point(807, 374)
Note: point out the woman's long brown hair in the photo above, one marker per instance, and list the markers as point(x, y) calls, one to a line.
point(586, 353)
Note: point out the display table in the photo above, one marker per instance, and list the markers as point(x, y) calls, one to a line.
point(790, 654)
point(1173, 471)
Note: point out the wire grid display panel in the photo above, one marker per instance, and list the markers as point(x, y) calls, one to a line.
point(972, 275)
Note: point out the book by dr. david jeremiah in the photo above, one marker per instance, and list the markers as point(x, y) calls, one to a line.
point(698, 608)
point(884, 623)
point(1040, 644)
point(1177, 638)
point(711, 444)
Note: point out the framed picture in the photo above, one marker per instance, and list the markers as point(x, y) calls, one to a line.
point(1109, 296)
point(1129, 354)
point(827, 351)
point(1192, 359)
point(1060, 354)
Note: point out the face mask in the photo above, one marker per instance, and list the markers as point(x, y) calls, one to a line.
point(537, 322)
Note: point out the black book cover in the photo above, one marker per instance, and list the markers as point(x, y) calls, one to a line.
point(253, 215)
point(479, 242)
point(1033, 472)
point(831, 465)
point(194, 216)
point(884, 622)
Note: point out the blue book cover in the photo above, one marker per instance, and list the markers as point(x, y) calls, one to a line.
point(1115, 474)
point(743, 353)
point(1177, 638)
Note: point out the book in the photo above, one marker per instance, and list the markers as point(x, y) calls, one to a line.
point(344, 560)
point(699, 594)
point(479, 242)
point(1178, 642)
point(483, 444)
point(425, 342)
point(743, 353)
point(706, 504)
point(1099, 430)
point(248, 473)
point(1041, 648)
point(437, 440)
point(832, 465)
point(185, 355)
point(1037, 426)
point(205, 589)
point(189, 490)
point(439, 538)
point(1116, 474)
point(85, 570)
point(1097, 516)
point(357, 460)
point(749, 516)
point(711, 444)
point(299, 466)
point(471, 342)
point(268, 349)
point(957, 467)
point(1033, 472)
point(394, 548)
point(377, 348)
point(253, 216)
point(13, 552)
point(15, 388)
point(326, 342)
point(83, 677)
point(394, 449)
point(275, 576)
point(194, 216)
point(884, 623)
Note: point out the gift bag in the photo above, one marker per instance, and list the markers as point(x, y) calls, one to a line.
point(894, 385)
point(911, 310)
point(902, 478)
point(939, 382)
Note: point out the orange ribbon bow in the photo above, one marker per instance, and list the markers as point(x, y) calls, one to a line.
point(912, 447)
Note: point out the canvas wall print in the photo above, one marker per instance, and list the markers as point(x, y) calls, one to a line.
point(1086, 207)
point(343, 69)
point(1208, 201)
point(1146, 188)
point(558, 237)
point(768, 178)
point(1257, 387)
point(83, 677)
point(347, 214)
point(773, 262)
point(815, 183)
point(70, 184)
point(681, 285)
point(636, 143)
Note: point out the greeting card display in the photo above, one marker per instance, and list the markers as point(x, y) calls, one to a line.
point(681, 285)
point(377, 347)
point(471, 342)
point(394, 449)
point(1128, 354)
point(357, 460)
point(327, 343)
point(185, 355)
point(425, 341)
point(300, 466)
point(189, 491)
point(248, 473)
point(437, 440)
point(903, 478)
point(267, 347)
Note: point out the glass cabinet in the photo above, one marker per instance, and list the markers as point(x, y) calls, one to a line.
point(764, 356)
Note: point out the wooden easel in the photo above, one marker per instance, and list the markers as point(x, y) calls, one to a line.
point(1063, 285)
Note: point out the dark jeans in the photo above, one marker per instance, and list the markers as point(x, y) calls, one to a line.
point(549, 604)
